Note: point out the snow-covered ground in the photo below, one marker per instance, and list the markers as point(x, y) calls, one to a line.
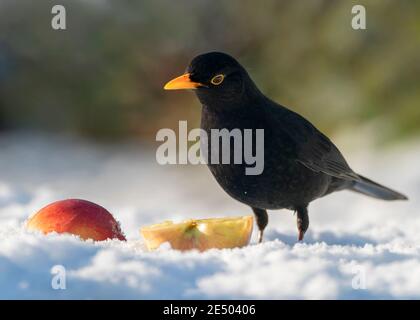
point(353, 241)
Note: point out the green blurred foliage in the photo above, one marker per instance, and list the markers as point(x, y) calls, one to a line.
point(103, 76)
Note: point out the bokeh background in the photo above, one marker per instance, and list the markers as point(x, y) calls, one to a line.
point(79, 112)
point(102, 78)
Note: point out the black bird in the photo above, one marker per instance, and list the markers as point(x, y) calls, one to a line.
point(300, 163)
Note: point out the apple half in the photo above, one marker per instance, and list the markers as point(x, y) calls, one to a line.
point(201, 234)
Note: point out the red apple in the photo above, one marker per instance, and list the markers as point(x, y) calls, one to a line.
point(79, 217)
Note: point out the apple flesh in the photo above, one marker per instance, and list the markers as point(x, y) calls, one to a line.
point(79, 217)
point(201, 234)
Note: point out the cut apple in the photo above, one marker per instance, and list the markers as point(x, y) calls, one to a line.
point(201, 234)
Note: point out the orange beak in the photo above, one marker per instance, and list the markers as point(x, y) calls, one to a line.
point(182, 82)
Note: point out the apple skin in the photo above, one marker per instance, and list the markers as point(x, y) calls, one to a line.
point(79, 217)
point(202, 235)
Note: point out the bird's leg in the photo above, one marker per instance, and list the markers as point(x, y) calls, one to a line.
point(262, 221)
point(302, 221)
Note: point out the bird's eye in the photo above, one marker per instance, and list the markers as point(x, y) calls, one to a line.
point(216, 80)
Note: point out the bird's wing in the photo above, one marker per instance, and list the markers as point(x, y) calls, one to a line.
point(313, 149)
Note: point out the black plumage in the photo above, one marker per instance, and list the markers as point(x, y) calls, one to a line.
point(300, 163)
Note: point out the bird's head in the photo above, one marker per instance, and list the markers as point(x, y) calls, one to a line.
point(217, 78)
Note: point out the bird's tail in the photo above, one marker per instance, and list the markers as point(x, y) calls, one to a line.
point(375, 190)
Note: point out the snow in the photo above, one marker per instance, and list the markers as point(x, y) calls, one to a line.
point(356, 247)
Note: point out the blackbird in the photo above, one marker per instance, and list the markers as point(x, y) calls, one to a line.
point(301, 164)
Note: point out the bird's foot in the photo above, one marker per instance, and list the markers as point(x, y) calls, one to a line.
point(301, 234)
point(302, 222)
point(260, 236)
point(262, 220)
